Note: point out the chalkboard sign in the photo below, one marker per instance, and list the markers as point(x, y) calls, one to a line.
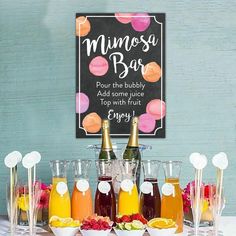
point(120, 73)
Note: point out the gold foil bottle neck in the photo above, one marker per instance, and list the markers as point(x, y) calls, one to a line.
point(105, 124)
point(133, 138)
point(106, 140)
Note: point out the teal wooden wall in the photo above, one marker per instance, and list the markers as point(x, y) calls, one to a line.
point(37, 82)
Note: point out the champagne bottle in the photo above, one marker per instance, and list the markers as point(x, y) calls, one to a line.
point(132, 149)
point(106, 152)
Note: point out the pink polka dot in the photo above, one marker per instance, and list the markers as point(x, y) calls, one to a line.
point(98, 66)
point(147, 123)
point(141, 22)
point(82, 103)
point(156, 108)
point(124, 18)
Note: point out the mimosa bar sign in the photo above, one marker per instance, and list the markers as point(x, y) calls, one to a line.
point(120, 73)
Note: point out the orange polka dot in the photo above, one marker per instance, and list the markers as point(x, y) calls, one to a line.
point(92, 122)
point(84, 24)
point(152, 72)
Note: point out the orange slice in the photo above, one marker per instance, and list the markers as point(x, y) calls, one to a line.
point(161, 223)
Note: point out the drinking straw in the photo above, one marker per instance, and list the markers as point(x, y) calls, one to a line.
point(29, 162)
point(12, 201)
point(11, 161)
point(198, 183)
point(19, 158)
point(199, 162)
point(37, 158)
point(220, 161)
point(30, 201)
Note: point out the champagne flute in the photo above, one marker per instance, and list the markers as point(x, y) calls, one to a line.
point(197, 200)
point(12, 206)
point(33, 212)
point(215, 208)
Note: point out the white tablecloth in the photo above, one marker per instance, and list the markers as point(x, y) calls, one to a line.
point(227, 226)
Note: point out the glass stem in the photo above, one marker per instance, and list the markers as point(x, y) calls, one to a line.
point(216, 225)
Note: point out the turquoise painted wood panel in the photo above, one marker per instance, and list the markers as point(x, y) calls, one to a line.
point(37, 82)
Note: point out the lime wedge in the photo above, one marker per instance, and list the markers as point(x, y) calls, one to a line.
point(137, 225)
point(128, 226)
point(120, 226)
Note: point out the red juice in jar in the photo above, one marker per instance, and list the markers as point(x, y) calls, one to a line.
point(150, 199)
point(105, 201)
point(150, 203)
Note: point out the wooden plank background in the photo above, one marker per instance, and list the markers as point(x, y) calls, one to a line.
point(37, 82)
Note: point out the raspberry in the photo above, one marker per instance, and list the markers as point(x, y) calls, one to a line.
point(96, 227)
point(105, 225)
point(92, 222)
point(96, 223)
point(126, 219)
point(136, 217)
point(118, 220)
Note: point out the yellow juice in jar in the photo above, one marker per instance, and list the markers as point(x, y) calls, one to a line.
point(128, 203)
point(172, 206)
point(59, 205)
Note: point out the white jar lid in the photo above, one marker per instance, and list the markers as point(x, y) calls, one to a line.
point(127, 185)
point(146, 187)
point(168, 189)
point(61, 188)
point(82, 185)
point(104, 187)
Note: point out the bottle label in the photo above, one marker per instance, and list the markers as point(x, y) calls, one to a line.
point(168, 189)
point(61, 188)
point(104, 187)
point(127, 185)
point(82, 185)
point(146, 188)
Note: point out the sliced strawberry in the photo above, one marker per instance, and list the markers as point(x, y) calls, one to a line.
point(143, 220)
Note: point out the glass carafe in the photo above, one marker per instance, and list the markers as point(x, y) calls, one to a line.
point(119, 149)
point(59, 202)
point(128, 199)
point(172, 203)
point(150, 200)
point(105, 201)
point(81, 201)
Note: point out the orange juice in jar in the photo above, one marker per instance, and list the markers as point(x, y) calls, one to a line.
point(81, 202)
point(59, 201)
point(172, 203)
point(128, 199)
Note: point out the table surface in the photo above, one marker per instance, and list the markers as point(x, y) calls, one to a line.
point(227, 226)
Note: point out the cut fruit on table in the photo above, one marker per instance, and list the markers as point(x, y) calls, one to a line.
point(56, 221)
point(128, 226)
point(161, 223)
point(137, 225)
point(131, 222)
point(96, 222)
